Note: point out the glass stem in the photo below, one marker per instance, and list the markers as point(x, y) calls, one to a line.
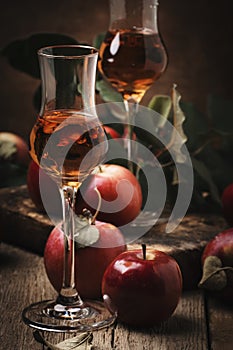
point(131, 107)
point(69, 294)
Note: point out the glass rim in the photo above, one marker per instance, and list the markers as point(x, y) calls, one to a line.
point(41, 52)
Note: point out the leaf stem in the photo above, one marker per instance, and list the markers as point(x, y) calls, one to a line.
point(98, 206)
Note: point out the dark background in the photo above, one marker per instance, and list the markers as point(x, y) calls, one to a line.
point(198, 35)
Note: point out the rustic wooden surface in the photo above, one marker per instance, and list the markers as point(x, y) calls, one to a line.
point(22, 225)
point(197, 324)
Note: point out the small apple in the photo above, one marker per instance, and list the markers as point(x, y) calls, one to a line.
point(90, 262)
point(35, 177)
point(143, 287)
point(120, 192)
point(217, 261)
point(227, 203)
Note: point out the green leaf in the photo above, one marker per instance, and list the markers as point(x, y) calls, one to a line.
point(221, 168)
point(86, 234)
point(220, 112)
point(22, 54)
point(107, 92)
point(195, 125)
point(162, 104)
point(80, 342)
point(98, 39)
point(206, 179)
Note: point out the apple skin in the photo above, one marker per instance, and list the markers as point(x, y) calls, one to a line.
point(90, 262)
point(106, 181)
point(113, 133)
point(35, 175)
point(144, 292)
point(222, 247)
point(227, 204)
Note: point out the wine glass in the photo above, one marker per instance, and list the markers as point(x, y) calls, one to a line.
point(132, 55)
point(68, 142)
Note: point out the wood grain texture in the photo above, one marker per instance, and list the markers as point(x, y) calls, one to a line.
point(22, 225)
point(220, 318)
point(23, 281)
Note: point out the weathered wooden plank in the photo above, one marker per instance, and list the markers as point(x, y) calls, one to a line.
point(22, 225)
point(23, 280)
point(220, 319)
point(186, 329)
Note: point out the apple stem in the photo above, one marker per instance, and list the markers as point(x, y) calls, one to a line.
point(144, 251)
point(98, 206)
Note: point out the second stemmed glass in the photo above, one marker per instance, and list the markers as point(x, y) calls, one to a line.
point(132, 55)
point(68, 142)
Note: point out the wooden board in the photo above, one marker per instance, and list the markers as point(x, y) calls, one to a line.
point(22, 225)
point(23, 281)
point(198, 323)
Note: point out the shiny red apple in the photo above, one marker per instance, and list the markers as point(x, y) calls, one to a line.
point(121, 195)
point(144, 289)
point(36, 177)
point(90, 261)
point(217, 261)
point(227, 203)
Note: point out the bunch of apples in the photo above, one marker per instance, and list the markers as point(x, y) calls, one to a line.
point(107, 269)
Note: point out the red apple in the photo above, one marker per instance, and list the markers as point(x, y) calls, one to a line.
point(217, 261)
point(227, 203)
point(90, 262)
point(35, 177)
point(144, 289)
point(120, 192)
point(13, 148)
point(112, 132)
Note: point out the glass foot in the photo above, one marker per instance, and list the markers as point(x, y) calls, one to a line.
point(50, 316)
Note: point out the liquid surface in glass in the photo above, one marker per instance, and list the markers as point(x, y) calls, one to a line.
point(61, 141)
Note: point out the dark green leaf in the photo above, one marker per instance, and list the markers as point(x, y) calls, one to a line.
point(22, 54)
point(205, 180)
point(221, 169)
point(194, 125)
point(107, 92)
point(220, 112)
point(98, 39)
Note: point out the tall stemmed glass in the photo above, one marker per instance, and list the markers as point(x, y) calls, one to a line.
point(132, 55)
point(68, 142)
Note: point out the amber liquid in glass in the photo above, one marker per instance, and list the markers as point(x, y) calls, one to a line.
point(132, 60)
point(74, 134)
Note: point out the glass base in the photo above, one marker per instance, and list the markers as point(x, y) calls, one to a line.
point(48, 315)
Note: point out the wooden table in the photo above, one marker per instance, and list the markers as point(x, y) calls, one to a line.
point(199, 323)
